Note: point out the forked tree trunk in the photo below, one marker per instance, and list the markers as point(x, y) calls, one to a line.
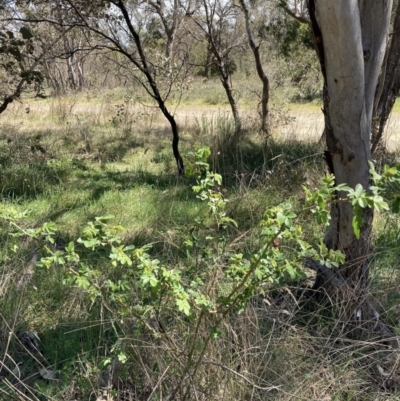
point(389, 85)
point(350, 36)
point(265, 126)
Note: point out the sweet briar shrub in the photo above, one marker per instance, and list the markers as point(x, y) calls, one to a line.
point(107, 269)
point(211, 278)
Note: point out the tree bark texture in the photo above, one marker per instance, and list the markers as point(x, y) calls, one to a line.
point(209, 59)
point(224, 77)
point(389, 84)
point(350, 36)
point(265, 126)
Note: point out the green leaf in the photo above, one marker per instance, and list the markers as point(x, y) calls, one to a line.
point(105, 362)
point(122, 357)
point(356, 227)
point(343, 187)
point(290, 269)
point(153, 280)
point(183, 306)
point(380, 204)
point(31, 232)
point(358, 190)
point(362, 202)
point(374, 175)
point(82, 282)
point(92, 243)
point(71, 247)
point(104, 218)
point(389, 170)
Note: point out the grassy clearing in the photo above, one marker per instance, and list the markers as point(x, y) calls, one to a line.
point(70, 160)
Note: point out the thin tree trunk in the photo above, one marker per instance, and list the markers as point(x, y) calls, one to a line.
point(175, 135)
point(51, 79)
point(265, 126)
point(208, 60)
point(224, 77)
point(81, 82)
point(154, 88)
point(62, 80)
point(220, 58)
point(172, 32)
point(389, 87)
point(71, 74)
point(170, 27)
point(79, 67)
point(70, 67)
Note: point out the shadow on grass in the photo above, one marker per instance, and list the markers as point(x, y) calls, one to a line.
point(252, 162)
point(32, 178)
point(275, 170)
point(31, 163)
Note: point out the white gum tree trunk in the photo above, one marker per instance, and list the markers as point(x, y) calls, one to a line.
point(351, 38)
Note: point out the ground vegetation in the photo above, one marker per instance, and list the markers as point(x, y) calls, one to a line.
point(255, 273)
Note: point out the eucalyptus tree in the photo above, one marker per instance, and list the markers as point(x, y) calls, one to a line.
point(171, 14)
point(289, 34)
point(219, 23)
point(64, 66)
point(23, 55)
point(255, 48)
point(118, 26)
point(297, 9)
point(350, 38)
point(388, 88)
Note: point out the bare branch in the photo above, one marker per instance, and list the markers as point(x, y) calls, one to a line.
point(303, 20)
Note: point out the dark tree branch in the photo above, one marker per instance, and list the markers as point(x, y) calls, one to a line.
point(9, 99)
point(299, 18)
point(260, 71)
point(388, 87)
point(18, 90)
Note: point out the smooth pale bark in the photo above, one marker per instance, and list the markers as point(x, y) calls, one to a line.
point(351, 37)
point(389, 85)
point(375, 23)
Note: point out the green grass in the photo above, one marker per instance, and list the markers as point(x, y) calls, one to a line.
point(71, 160)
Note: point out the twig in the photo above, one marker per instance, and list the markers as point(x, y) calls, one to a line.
point(205, 361)
point(158, 383)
